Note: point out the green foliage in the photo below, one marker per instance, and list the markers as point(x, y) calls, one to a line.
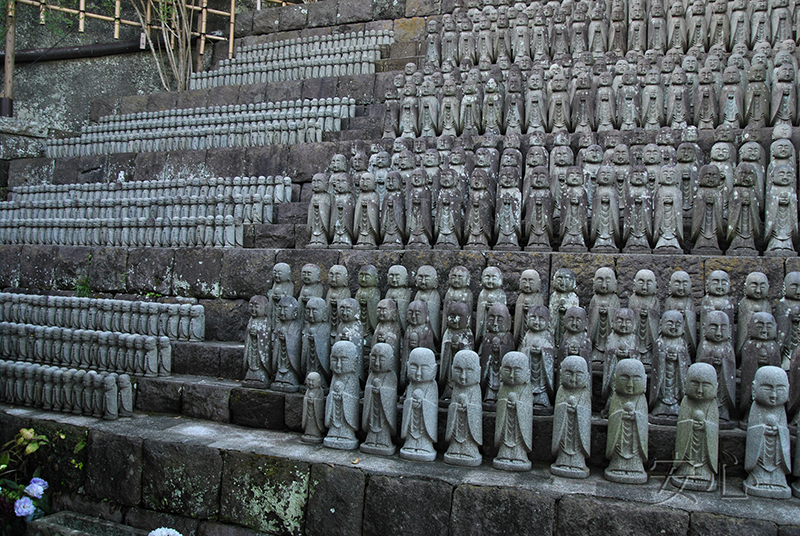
point(82, 287)
point(14, 454)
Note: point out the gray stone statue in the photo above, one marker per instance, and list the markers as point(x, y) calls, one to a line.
point(576, 339)
point(351, 329)
point(621, 344)
point(339, 290)
point(767, 459)
point(601, 311)
point(457, 336)
point(626, 447)
point(562, 298)
point(605, 228)
point(514, 422)
point(497, 341)
point(316, 341)
point(398, 290)
point(287, 346)
point(257, 357)
point(458, 290)
point(366, 224)
point(680, 299)
point(420, 409)
point(393, 213)
point(697, 432)
point(780, 223)
point(428, 291)
point(538, 346)
point(379, 417)
point(708, 225)
point(530, 294)
point(418, 334)
point(669, 367)
point(787, 315)
point(388, 329)
point(572, 420)
point(312, 286)
point(760, 349)
point(368, 297)
point(313, 410)
point(341, 406)
point(464, 432)
point(491, 293)
point(755, 300)
point(319, 213)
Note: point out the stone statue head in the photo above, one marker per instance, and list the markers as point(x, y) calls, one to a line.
point(281, 273)
point(623, 321)
point(258, 306)
point(457, 315)
point(498, 319)
point(644, 283)
point(347, 310)
point(575, 320)
point(310, 274)
point(316, 311)
point(564, 280)
point(791, 286)
point(762, 326)
point(343, 357)
point(466, 368)
point(427, 278)
point(338, 163)
point(287, 308)
point(605, 281)
point(491, 278)
point(313, 381)
point(368, 276)
point(397, 276)
point(337, 276)
point(421, 365)
point(381, 358)
point(680, 284)
point(387, 310)
point(458, 277)
point(701, 382)
point(574, 373)
point(629, 378)
point(672, 324)
point(745, 175)
point(515, 369)
point(756, 286)
point(530, 282)
point(417, 313)
point(367, 182)
point(717, 326)
point(537, 318)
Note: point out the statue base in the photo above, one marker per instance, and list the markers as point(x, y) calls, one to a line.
point(667, 420)
point(625, 477)
point(506, 247)
point(391, 245)
point(284, 387)
point(311, 440)
point(365, 246)
point(462, 460)
point(340, 245)
point(569, 472)
point(417, 455)
point(780, 253)
point(693, 483)
point(255, 384)
point(377, 449)
point(772, 492)
point(796, 488)
point(742, 252)
point(447, 247)
point(317, 245)
point(507, 464)
point(340, 443)
point(667, 250)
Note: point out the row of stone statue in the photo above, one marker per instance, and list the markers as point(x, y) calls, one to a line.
point(106, 351)
point(177, 322)
point(628, 213)
point(300, 47)
point(552, 30)
point(336, 419)
point(209, 231)
point(515, 101)
point(205, 128)
point(106, 395)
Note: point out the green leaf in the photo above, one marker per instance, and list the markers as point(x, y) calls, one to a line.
point(30, 449)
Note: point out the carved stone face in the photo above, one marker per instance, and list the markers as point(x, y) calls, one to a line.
point(343, 357)
point(717, 328)
point(459, 277)
point(348, 309)
point(398, 276)
point(574, 372)
point(623, 321)
point(672, 324)
point(457, 315)
point(447, 178)
point(417, 313)
point(426, 278)
point(421, 365)
point(644, 284)
point(575, 320)
point(418, 178)
point(281, 273)
point(491, 278)
point(337, 276)
point(605, 282)
point(381, 358)
point(338, 163)
point(315, 310)
point(652, 154)
point(718, 284)
point(701, 382)
point(387, 310)
point(530, 282)
point(318, 183)
point(515, 369)
point(313, 381)
point(498, 318)
point(762, 327)
point(367, 182)
point(538, 318)
point(791, 286)
point(784, 175)
point(466, 368)
point(310, 274)
point(258, 306)
point(367, 277)
point(771, 387)
point(782, 149)
point(756, 286)
point(629, 378)
point(287, 309)
point(564, 280)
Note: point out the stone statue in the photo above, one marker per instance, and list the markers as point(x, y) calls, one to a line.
point(621, 345)
point(420, 409)
point(314, 428)
point(312, 286)
point(464, 433)
point(480, 211)
point(680, 299)
point(708, 225)
point(419, 222)
point(368, 297)
point(491, 293)
point(496, 342)
point(514, 422)
point(341, 406)
point(780, 225)
point(572, 420)
point(645, 304)
point(457, 336)
point(605, 230)
point(257, 357)
point(449, 218)
point(638, 213)
point(316, 341)
point(668, 209)
point(393, 213)
point(428, 110)
point(418, 334)
point(388, 329)
point(538, 346)
point(787, 316)
point(287, 346)
point(759, 350)
point(379, 417)
point(366, 230)
point(508, 220)
point(767, 458)
point(562, 298)
point(574, 213)
point(626, 447)
point(670, 363)
point(697, 432)
point(493, 105)
point(319, 213)
point(576, 339)
point(428, 291)
point(338, 280)
point(538, 211)
point(530, 294)
point(458, 290)
point(398, 290)
point(744, 213)
point(601, 311)
point(756, 299)
point(756, 99)
point(351, 329)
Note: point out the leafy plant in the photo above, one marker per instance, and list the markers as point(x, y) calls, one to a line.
point(20, 504)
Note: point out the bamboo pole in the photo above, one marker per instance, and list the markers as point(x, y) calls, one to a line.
point(82, 15)
point(7, 103)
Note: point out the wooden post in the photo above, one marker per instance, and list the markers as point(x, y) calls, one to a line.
point(7, 101)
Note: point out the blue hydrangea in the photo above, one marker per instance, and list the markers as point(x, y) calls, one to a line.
point(164, 531)
point(34, 490)
point(24, 507)
point(40, 482)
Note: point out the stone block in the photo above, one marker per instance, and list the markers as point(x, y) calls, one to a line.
point(423, 8)
point(584, 265)
point(206, 400)
point(293, 17)
point(402, 52)
point(294, 213)
point(243, 24)
point(502, 511)
point(384, 82)
point(30, 171)
point(226, 320)
point(222, 95)
point(149, 166)
point(83, 504)
point(267, 160)
point(100, 108)
point(321, 14)
point(159, 395)
point(252, 93)
point(150, 520)
point(36, 265)
point(108, 269)
point(319, 88)
point(257, 408)
point(186, 164)
point(196, 98)
point(352, 11)
point(132, 104)
point(181, 478)
point(212, 528)
point(196, 273)
point(288, 90)
point(65, 170)
point(120, 166)
point(335, 501)
point(150, 270)
point(231, 362)
point(195, 358)
point(245, 273)
point(410, 30)
point(663, 266)
point(266, 21)
point(360, 87)
point(158, 102)
point(789, 531)
point(388, 500)
point(225, 162)
point(9, 265)
point(65, 456)
point(91, 169)
point(307, 159)
point(705, 524)
point(580, 515)
point(293, 412)
point(739, 267)
point(114, 471)
point(265, 493)
point(274, 236)
point(388, 9)
point(301, 236)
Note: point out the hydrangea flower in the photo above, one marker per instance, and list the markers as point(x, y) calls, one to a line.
point(40, 482)
point(34, 490)
point(164, 531)
point(24, 507)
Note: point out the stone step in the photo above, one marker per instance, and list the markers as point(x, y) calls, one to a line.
point(75, 524)
point(215, 479)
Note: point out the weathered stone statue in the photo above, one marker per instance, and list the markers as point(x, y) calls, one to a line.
point(319, 213)
point(680, 299)
point(538, 346)
point(645, 304)
point(759, 350)
point(670, 363)
point(316, 341)
point(756, 100)
point(314, 428)
point(379, 416)
point(286, 346)
point(638, 232)
point(479, 224)
point(368, 295)
point(393, 213)
point(538, 223)
point(767, 458)
point(449, 217)
point(366, 230)
point(601, 311)
point(626, 447)
point(621, 345)
point(574, 213)
point(419, 221)
point(562, 298)
point(514, 425)
point(576, 339)
point(342, 212)
point(708, 225)
point(257, 357)
point(341, 406)
point(464, 432)
point(572, 420)
point(508, 219)
point(496, 342)
point(458, 290)
point(744, 213)
point(457, 336)
point(787, 316)
point(420, 409)
point(668, 209)
point(697, 432)
point(756, 299)
point(428, 291)
point(418, 334)
point(605, 228)
point(398, 290)
point(339, 290)
point(312, 286)
point(530, 287)
point(351, 329)
point(388, 329)
point(780, 224)
point(491, 293)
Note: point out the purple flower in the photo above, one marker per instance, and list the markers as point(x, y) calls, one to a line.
point(24, 507)
point(34, 490)
point(41, 482)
